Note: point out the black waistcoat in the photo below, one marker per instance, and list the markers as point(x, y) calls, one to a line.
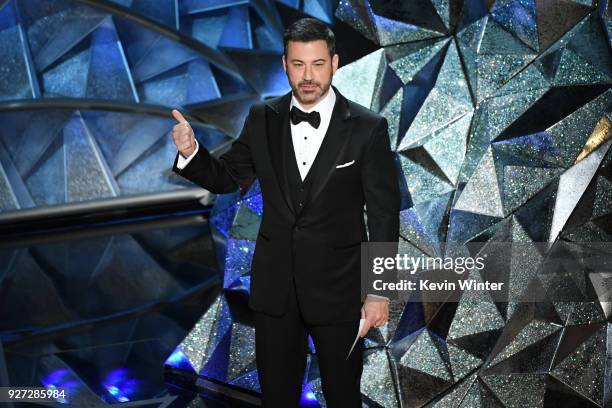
point(298, 189)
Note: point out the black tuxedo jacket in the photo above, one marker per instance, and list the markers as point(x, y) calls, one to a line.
point(319, 245)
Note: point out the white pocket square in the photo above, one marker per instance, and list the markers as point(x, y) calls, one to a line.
point(345, 164)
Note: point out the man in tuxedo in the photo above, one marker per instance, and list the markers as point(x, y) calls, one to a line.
point(319, 158)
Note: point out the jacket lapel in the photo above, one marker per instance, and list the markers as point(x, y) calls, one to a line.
point(278, 134)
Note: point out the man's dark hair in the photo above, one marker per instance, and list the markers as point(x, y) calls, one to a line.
point(310, 29)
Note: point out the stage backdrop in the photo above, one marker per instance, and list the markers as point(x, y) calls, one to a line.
point(499, 114)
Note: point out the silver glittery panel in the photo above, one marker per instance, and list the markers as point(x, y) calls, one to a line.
point(478, 143)
point(596, 54)
point(504, 110)
point(493, 71)
point(447, 146)
point(242, 351)
point(476, 313)
point(601, 204)
point(536, 357)
point(422, 185)
point(406, 60)
point(524, 28)
point(199, 343)
point(442, 7)
point(530, 334)
point(480, 396)
point(420, 226)
point(448, 101)
point(524, 265)
point(521, 183)
point(462, 362)
point(207, 334)
point(452, 80)
point(438, 110)
point(364, 72)
point(528, 79)
point(453, 398)
point(575, 70)
point(481, 195)
point(395, 32)
point(518, 390)
point(492, 56)
point(564, 277)
point(499, 57)
point(376, 381)
point(468, 40)
point(537, 148)
point(470, 36)
point(586, 313)
point(411, 228)
point(428, 354)
point(572, 185)
point(472, 398)
point(584, 367)
point(392, 111)
point(571, 133)
point(588, 232)
point(358, 14)
point(602, 283)
point(497, 40)
point(416, 386)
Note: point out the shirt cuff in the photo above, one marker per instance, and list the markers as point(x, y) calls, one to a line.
point(377, 297)
point(182, 161)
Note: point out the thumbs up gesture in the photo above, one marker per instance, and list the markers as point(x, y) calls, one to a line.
point(183, 135)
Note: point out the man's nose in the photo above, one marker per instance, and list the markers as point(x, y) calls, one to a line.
point(307, 73)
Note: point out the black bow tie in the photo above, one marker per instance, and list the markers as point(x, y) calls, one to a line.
point(297, 115)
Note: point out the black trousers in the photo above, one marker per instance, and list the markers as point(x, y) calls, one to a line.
point(281, 348)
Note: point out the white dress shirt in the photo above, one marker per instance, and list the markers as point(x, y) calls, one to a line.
point(306, 139)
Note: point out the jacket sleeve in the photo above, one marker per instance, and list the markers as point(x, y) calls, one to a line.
point(381, 187)
point(382, 200)
point(232, 170)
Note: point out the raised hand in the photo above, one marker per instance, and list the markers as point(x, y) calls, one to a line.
point(183, 135)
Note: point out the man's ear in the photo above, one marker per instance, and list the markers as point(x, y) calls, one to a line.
point(335, 59)
point(284, 63)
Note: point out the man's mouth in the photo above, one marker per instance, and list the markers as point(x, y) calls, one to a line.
point(308, 87)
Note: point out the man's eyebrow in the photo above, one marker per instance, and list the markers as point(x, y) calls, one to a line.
point(299, 60)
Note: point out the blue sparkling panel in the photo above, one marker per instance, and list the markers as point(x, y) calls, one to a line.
point(109, 75)
point(54, 27)
point(237, 30)
point(14, 79)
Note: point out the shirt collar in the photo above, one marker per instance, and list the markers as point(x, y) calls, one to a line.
point(324, 106)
